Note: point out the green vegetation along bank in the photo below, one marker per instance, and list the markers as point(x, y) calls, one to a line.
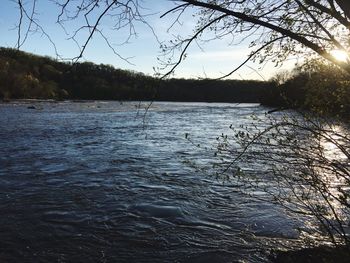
point(28, 76)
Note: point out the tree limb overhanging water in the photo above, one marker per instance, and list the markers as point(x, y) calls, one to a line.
point(306, 169)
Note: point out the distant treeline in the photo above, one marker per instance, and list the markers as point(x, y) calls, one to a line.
point(24, 75)
point(316, 86)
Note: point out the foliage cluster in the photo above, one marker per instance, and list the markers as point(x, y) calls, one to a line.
point(318, 86)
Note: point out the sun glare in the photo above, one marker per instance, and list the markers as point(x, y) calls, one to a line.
point(340, 55)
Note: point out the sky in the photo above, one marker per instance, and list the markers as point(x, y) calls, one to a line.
point(211, 60)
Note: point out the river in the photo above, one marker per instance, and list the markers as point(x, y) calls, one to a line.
point(105, 182)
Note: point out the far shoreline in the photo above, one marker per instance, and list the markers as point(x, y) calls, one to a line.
point(5, 101)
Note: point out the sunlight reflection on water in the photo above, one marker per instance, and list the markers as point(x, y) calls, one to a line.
point(332, 143)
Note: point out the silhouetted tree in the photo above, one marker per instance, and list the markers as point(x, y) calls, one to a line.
point(278, 28)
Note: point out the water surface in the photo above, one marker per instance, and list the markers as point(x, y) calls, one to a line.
point(103, 182)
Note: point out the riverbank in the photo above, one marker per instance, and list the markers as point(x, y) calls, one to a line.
point(313, 255)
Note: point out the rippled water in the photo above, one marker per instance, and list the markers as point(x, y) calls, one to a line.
point(103, 182)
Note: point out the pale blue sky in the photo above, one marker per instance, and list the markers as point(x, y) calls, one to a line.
point(216, 59)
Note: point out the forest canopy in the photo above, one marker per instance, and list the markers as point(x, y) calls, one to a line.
point(28, 76)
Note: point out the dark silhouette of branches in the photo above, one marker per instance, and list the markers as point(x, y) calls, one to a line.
point(33, 26)
point(88, 17)
point(254, 53)
point(188, 43)
point(304, 167)
point(301, 25)
point(269, 22)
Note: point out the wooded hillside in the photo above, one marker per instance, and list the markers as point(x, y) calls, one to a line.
point(24, 75)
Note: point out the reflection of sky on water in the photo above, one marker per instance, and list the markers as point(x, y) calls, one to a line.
point(95, 175)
